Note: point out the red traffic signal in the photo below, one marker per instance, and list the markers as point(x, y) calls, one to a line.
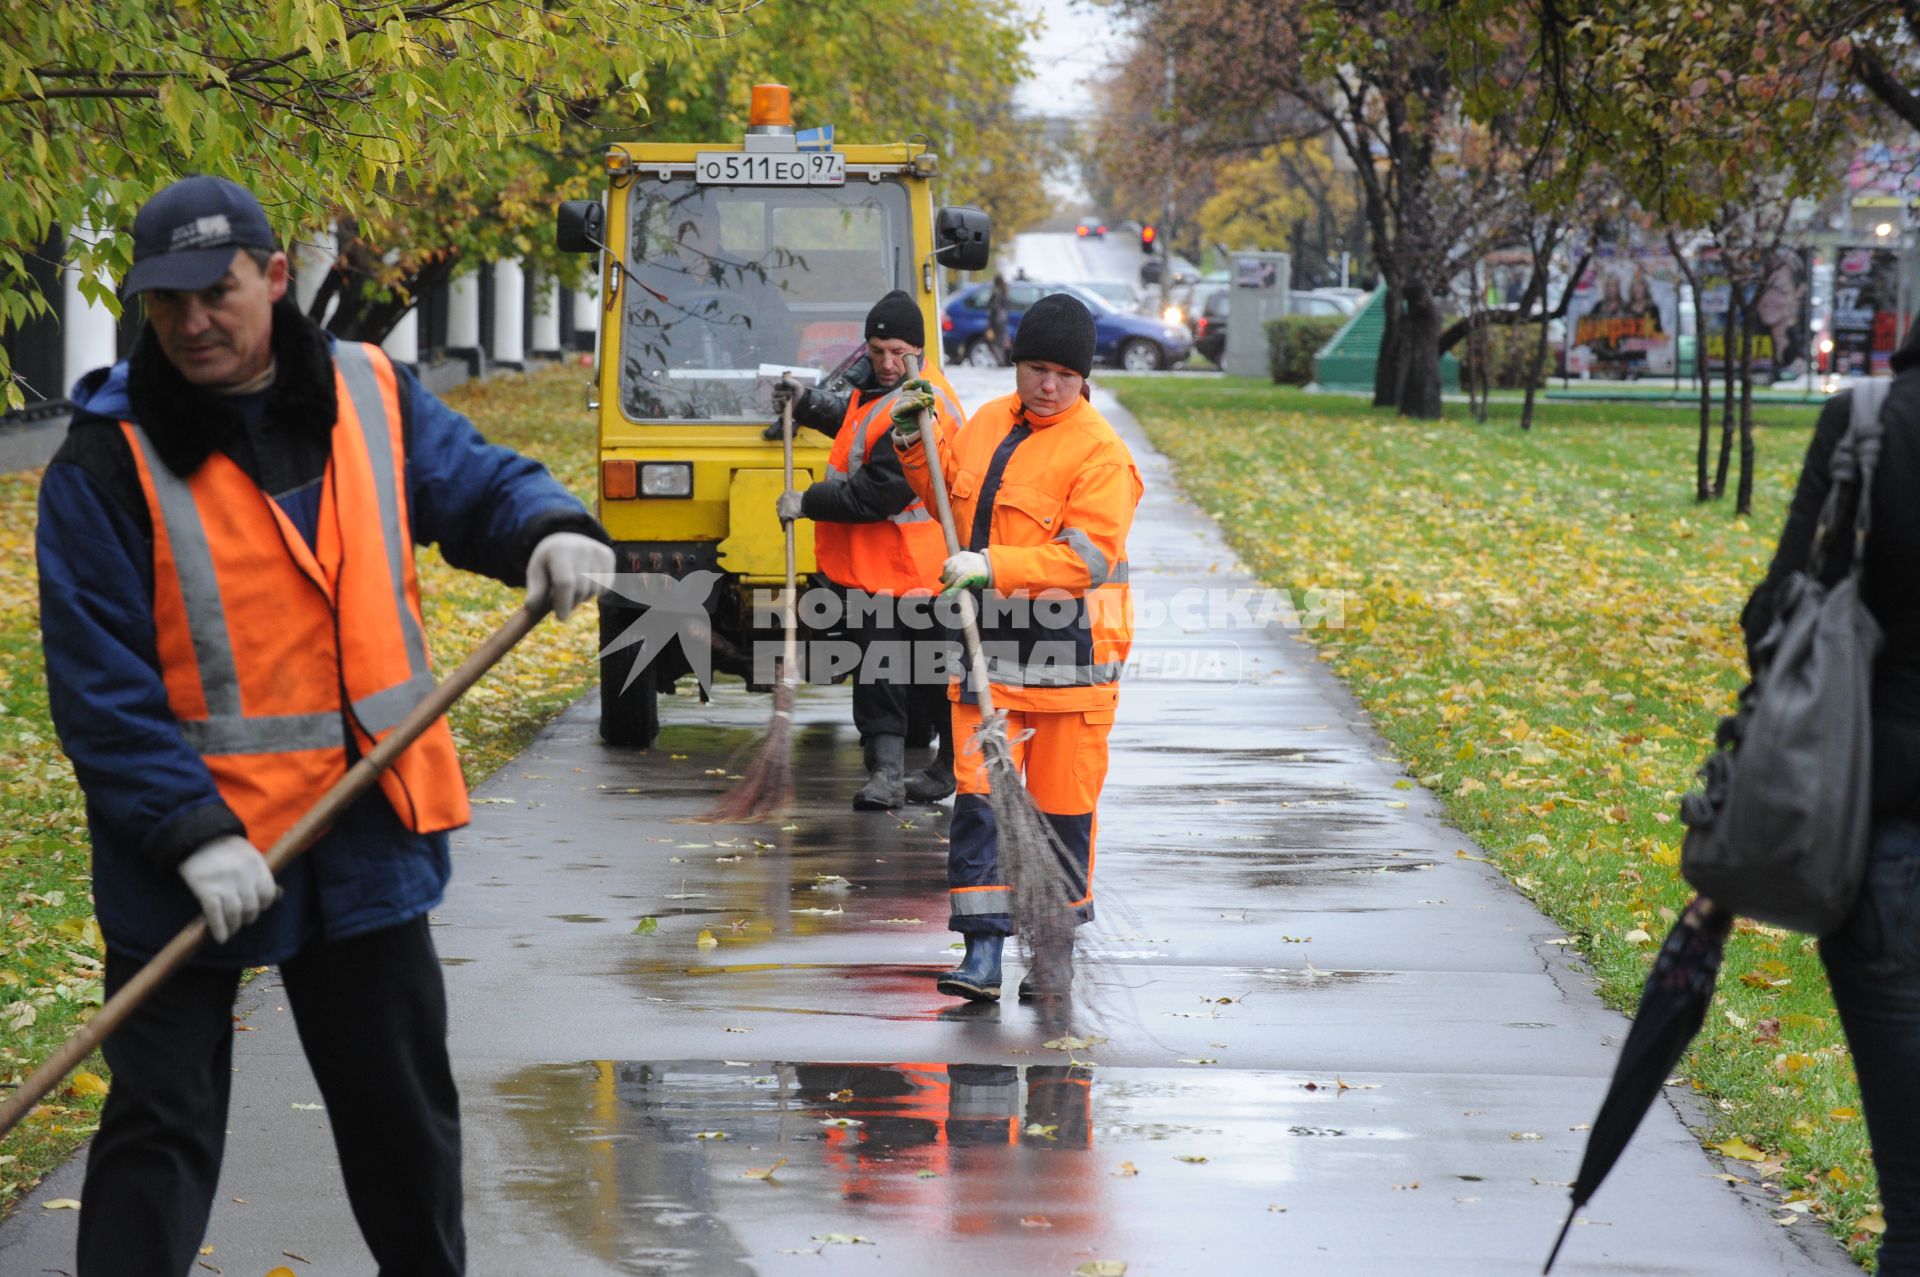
point(1147, 236)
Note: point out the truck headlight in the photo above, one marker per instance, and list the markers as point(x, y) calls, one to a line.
point(666, 479)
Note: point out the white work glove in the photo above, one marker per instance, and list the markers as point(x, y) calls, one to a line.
point(229, 877)
point(967, 570)
point(560, 569)
point(788, 506)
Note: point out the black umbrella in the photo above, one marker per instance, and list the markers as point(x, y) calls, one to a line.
point(1672, 1007)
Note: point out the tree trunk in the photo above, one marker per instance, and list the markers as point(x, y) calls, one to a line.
point(1537, 371)
point(1703, 490)
point(1743, 495)
point(1420, 353)
point(1390, 369)
point(1736, 338)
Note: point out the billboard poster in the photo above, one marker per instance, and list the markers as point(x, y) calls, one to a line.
point(1866, 317)
point(1780, 343)
point(1623, 317)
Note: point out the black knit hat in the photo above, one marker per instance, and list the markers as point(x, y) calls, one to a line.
point(1058, 329)
point(896, 316)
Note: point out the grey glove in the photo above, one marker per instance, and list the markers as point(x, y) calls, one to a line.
point(562, 570)
point(788, 506)
point(229, 877)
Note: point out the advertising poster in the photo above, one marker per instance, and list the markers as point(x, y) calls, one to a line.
point(1866, 317)
point(1623, 318)
point(1780, 344)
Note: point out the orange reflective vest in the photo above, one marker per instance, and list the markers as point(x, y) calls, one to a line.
point(1061, 502)
point(903, 552)
point(272, 651)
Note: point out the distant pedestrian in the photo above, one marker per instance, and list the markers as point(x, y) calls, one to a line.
point(999, 340)
point(1873, 960)
point(1043, 494)
point(231, 617)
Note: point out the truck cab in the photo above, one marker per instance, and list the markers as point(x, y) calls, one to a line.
point(722, 267)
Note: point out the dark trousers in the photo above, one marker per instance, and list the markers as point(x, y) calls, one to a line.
point(372, 1015)
point(895, 690)
point(1873, 963)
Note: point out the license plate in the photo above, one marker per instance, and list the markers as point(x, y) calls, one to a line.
point(735, 168)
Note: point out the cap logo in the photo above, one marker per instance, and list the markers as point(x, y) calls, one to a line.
point(202, 232)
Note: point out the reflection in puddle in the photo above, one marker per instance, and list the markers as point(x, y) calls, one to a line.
point(663, 1167)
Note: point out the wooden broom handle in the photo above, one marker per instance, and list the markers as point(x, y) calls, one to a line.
point(969, 621)
point(290, 847)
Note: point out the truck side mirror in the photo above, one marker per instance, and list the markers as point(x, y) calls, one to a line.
point(580, 227)
point(963, 238)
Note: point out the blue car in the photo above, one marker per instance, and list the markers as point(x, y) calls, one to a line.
point(1123, 339)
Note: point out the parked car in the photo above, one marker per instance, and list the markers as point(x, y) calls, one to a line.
point(1090, 228)
point(1137, 343)
point(1118, 293)
point(1210, 329)
point(1317, 301)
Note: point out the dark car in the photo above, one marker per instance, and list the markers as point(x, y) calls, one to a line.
point(1137, 343)
point(1091, 228)
point(1210, 330)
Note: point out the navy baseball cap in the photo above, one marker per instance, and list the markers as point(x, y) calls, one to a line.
point(185, 236)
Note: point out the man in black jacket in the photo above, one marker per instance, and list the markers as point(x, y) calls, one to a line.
point(878, 543)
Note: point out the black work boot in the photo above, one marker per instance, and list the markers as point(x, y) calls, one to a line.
point(977, 978)
point(936, 782)
point(1034, 984)
point(886, 787)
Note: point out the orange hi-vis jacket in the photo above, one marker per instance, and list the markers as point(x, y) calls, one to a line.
point(270, 651)
point(1054, 504)
point(903, 552)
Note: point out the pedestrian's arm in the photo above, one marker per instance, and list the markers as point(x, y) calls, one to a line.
point(145, 785)
point(486, 506)
point(1090, 546)
point(1803, 516)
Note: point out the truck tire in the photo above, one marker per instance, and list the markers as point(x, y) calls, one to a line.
point(629, 715)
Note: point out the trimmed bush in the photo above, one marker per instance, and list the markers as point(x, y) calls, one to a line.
point(1293, 341)
point(1511, 350)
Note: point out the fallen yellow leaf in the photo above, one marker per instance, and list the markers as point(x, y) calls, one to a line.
point(706, 940)
point(85, 1083)
point(1738, 1149)
point(60, 1203)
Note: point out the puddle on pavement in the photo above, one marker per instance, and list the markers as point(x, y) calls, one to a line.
point(662, 1167)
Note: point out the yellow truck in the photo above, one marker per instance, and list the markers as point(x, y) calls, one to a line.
point(721, 265)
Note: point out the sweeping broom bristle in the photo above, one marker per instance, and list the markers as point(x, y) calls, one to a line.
point(765, 787)
point(1038, 867)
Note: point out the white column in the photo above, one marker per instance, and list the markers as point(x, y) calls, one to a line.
point(509, 344)
point(586, 310)
point(89, 333)
point(403, 343)
point(312, 258)
point(546, 317)
point(463, 312)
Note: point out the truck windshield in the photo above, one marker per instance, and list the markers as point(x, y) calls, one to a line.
point(724, 279)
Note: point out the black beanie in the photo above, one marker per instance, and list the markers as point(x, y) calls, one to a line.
point(1058, 329)
point(897, 317)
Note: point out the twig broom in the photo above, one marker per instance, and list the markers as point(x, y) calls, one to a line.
point(291, 846)
point(765, 788)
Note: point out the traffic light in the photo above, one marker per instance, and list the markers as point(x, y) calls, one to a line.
point(1147, 236)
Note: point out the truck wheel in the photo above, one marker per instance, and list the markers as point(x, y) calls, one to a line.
point(629, 715)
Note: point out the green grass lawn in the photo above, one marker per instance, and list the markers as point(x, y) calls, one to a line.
point(50, 950)
point(1544, 625)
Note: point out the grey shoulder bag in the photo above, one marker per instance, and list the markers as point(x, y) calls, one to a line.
point(1780, 831)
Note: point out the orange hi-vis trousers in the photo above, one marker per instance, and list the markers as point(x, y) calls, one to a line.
point(1064, 761)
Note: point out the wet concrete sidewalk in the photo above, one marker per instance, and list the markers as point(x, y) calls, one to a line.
point(1314, 1037)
